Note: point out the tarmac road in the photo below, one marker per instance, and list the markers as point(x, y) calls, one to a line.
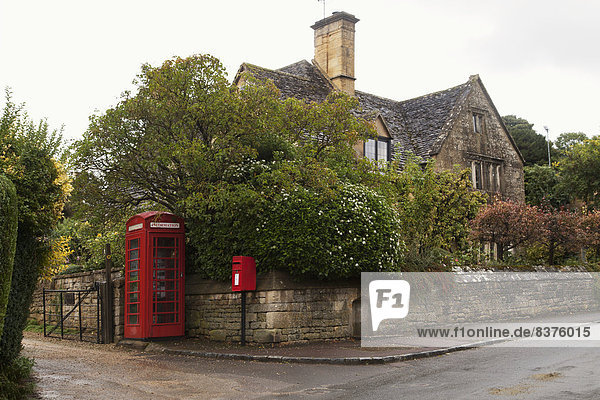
point(73, 370)
point(485, 373)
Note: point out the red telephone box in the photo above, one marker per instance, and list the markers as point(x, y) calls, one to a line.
point(154, 275)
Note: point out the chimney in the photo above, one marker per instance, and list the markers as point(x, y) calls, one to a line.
point(334, 49)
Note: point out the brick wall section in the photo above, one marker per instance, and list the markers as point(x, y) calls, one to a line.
point(83, 280)
point(280, 310)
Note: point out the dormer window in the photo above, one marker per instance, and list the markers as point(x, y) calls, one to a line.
point(378, 149)
point(478, 123)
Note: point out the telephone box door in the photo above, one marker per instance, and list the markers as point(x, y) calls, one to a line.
point(167, 285)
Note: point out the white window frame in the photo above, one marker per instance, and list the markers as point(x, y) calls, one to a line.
point(375, 142)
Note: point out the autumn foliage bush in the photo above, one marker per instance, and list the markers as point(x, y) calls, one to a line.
point(543, 234)
point(508, 224)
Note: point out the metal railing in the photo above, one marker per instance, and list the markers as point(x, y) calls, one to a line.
point(72, 314)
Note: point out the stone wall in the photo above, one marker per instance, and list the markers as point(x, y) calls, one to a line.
point(280, 310)
point(447, 299)
point(83, 280)
point(492, 146)
point(284, 311)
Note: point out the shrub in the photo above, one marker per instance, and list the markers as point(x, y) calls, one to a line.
point(15, 380)
point(435, 208)
point(508, 224)
point(8, 241)
point(81, 245)
point(220, 226)
point(330, 235)
point(590, 225)
point(560, 232)
point(29, 257)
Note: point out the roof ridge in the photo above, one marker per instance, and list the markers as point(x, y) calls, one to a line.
point(465, 85)
point(379, 97)
point(277, 71)
point(295, 63)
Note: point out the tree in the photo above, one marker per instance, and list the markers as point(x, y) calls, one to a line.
point(545, 187)
point(434, 208)
point(532, 145)
point(186, 129)
point(580, 169)
point(567, 140)
point(220, 157)
point(28, 160)
point(507, 224)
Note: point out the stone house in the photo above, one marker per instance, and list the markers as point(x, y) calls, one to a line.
point(459, 126)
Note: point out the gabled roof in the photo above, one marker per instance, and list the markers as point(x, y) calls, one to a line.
point(301, 80)
point(418, 125)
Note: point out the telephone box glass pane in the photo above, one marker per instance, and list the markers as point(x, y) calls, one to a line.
point(165, 318)
point(164, 274)
point(134, 264)
point(134, 244)
point(165, 253)
point(165, 296)
point(165, 283)
point(134, 276)
point(133, 297)
point(164, 263)
point(165, 242)
point(134, 254)
point(133, 308)
point(165, 307)
point(133, 286)
point(133, 319)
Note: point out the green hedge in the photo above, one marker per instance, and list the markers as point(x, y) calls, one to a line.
point(8, 241)
point(29, 257)
point(323, 232)
point(332, 235)
point(15, 379)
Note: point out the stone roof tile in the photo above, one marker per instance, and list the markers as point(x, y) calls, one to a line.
point(418, 126)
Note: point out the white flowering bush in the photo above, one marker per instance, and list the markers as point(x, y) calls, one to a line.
point(333, 234)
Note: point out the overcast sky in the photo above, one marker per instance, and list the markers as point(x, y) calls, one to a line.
point(539, 60)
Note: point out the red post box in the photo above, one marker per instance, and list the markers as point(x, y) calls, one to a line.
point(243, 274)
point(154, 275)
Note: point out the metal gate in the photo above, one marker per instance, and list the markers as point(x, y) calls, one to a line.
point(73, 314)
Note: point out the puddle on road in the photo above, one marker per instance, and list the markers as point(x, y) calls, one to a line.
point(525, 387)
point(546, 377)
point(511, 390)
